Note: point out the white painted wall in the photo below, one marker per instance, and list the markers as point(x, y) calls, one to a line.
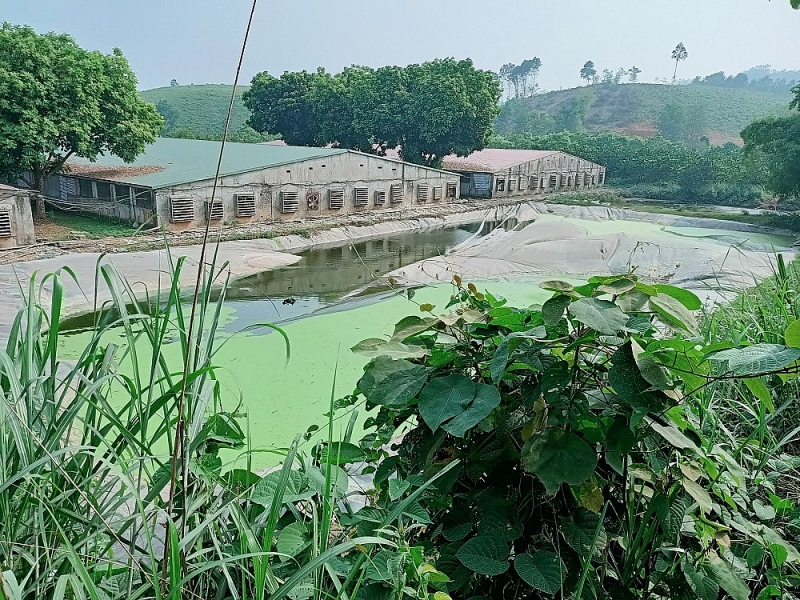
point(347, 171)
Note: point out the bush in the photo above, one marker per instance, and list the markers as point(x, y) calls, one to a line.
point(587, 468)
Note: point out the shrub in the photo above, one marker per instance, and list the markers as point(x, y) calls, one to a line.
point(586, 465)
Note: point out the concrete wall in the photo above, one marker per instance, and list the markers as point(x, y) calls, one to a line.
point(557, 172)
point(17, 205)
point(346, 172)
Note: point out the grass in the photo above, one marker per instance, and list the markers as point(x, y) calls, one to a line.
point(93, 227)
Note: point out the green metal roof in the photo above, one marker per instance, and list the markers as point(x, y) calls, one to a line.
point(185, 161)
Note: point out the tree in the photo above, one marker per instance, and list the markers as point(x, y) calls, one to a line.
point(429, 110)
point(608, 76)
point(633, 74)
point(776, 142)
point(59, 100)
point(522, 75)
point(588, 72)
point(451, 110)
point(283, 105)
point(505, 76)
point(169, 114)
point(173, 82)
point(796, 102)
point(619, 75)
point(680, 53)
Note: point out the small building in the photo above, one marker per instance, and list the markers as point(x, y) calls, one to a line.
point(16, 219)
point(171, 183)
point(501, 173)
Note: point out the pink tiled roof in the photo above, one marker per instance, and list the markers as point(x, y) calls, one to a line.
point(491, 160)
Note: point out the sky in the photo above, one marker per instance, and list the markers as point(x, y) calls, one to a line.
point(198, 41)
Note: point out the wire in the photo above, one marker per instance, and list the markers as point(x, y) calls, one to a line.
point(180, 433)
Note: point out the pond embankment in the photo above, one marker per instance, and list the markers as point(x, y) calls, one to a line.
point(147, 270)
point(565, 250)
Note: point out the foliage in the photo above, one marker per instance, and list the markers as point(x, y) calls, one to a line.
point(680, 53)
point(767, 83)
point(587, 468)
point(588, 72)
point(711, 174)
point(60, 100)
point(86, 456)
point(776, 141)
point(639, 106)
point(682, 123)
point(200, 109)
point(93, 226)
point(428, 110)
point(521, 79)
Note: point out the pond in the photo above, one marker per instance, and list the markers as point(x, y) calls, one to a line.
point(325, 306)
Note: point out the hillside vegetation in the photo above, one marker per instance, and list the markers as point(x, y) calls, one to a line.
point(201, 109)
point(717, 113)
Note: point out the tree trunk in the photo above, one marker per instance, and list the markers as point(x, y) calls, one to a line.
point(38, 199)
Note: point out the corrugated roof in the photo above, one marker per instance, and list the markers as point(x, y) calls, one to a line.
point(491, 160)
point(185, 161)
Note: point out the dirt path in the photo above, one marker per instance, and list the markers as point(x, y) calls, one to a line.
point(53, 245)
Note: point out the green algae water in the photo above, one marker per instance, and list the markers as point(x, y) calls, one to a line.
point(311, 302)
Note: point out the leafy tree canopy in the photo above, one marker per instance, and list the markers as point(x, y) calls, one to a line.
point(429, 110)
point(59, 100)
point(777, 142)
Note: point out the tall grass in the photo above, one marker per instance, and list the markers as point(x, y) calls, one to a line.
point(86, 457)
point(757, 419)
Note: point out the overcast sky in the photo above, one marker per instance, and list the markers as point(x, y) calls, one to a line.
point(197, 41)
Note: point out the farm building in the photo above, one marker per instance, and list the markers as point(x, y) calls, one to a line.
point(16, 221)
point(171, 184)
point(500, 173)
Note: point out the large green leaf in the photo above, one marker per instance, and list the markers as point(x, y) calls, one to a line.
point(557, 286)
point(485, 400)
point(374, 347)
point(543, 571)
point(655, 374)
point(627, 380)
point(553, 309)
point(792, 334)
point(674, 313)
point(584, 533)
point(702, 585)
point(759, 358)
point(341, 453)
point(601, 315)
point(267, 488)
point(633, 301)
point(685, 297)
point(412, 325)
point(317, 478)
point(390, 382)
point(617, 286)
point(292, 539)
point(557, 456)
point(444, 398)
point(485, 555)
point(727, 578)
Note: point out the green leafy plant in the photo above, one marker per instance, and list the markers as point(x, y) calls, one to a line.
point(587, 462)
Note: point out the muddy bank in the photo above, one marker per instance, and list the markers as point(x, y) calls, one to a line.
point(147, 270)
point(706, 255)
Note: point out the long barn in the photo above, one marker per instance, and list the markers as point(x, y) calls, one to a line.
point(170, 184)
point(501, 173)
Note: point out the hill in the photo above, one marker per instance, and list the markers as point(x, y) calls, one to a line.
point(201, 109)
point(642, 109)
